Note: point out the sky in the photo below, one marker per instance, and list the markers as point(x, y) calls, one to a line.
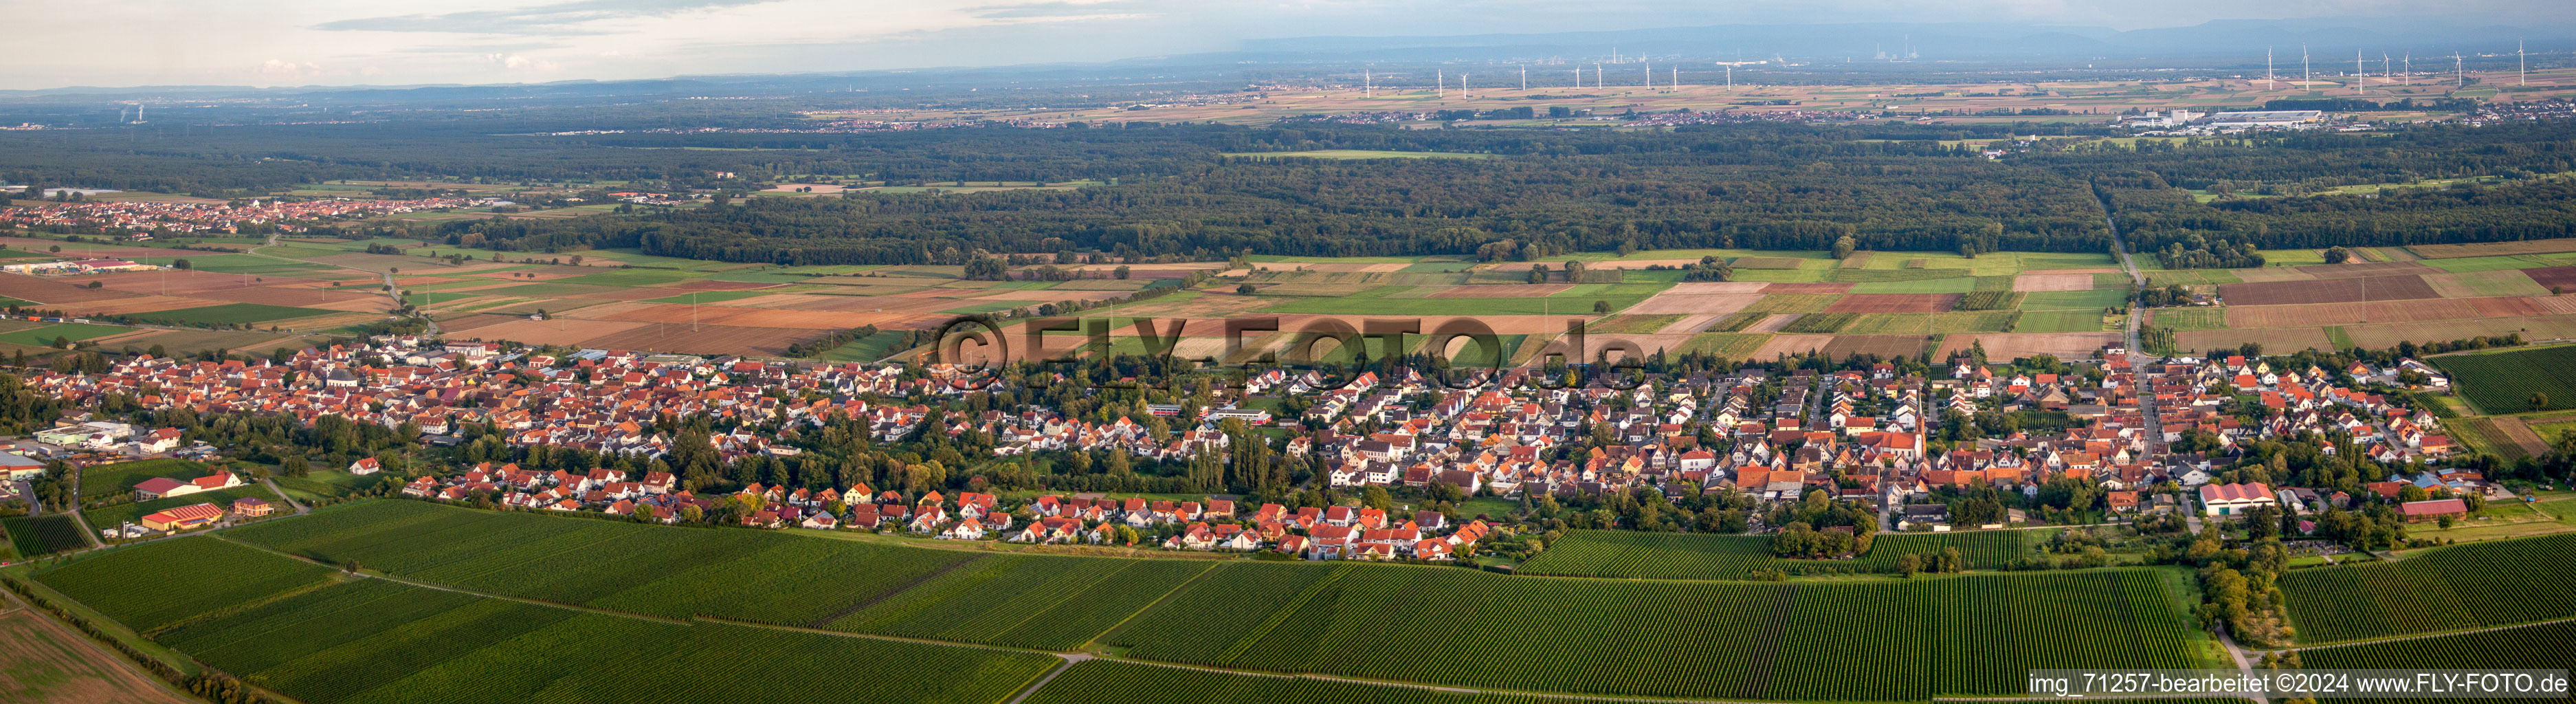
point(402, 42)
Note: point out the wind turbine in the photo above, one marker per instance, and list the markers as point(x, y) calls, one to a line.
point(1525, 79)
point(2458, 74)
point(2267, 68)
point(2304, 75)
point(2359, 78)
point(2521, 62)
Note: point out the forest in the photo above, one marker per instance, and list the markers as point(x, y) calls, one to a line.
point(1173, 191)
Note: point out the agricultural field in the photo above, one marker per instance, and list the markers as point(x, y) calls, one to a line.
point(227, 314)
point(106, 479)
point(52, 664)
point(373, 641)
point(1093, 681)
point(2434, 590)
point(2503, 381)
point(1055, 602)
point(1933, 635)
point(38, 536)
point(1634, 554)
point(2525, 647)
point(128, 584)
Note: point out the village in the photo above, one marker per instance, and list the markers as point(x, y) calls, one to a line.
point(144, 218)
point(1866, 437)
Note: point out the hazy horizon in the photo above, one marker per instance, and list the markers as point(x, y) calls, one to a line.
point(308, 43)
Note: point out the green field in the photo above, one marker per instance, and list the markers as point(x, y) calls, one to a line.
point(1634, 554)
point(1031, 601)
point(298, 629)
point(2504, 381)
point(1639, 555)
point(231, 313)
point(1351, 154)
point(2068, 300)
point(2436, 590)
point(1096, 681)
point(1749, 640)
point(38, 536)
point(2193, 318)
point(131, 584)
point(2527, 647)
point(2060, 321)
point(1929, 285)
point(1538, 634)
point(105, 479)
point(44, 336)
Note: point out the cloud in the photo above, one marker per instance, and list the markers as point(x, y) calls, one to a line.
point(1056, 10)
point(555, 19)
point(287, 70)
point(519, 62)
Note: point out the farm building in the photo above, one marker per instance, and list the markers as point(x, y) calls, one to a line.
point(18, 468)
point(2234, 499)
point(182, 518)
point(164, 487)
point(2418, 511)
point(250, 507)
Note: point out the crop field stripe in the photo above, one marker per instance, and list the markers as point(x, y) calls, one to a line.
point(2444, 589)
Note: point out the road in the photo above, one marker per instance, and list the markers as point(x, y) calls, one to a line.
point(281, 494)
point(2138, 357)
point(391, 291)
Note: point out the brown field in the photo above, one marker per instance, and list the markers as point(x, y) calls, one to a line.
point(473, 321)
point(1500, 291)
point(349, 298)
point(2373, 288)
point(681, 313)
point(2542, 327)
point(2013, 345)
point(1708, 287)
point(50, 664)
point(1692, 323)
point(141, 304)
point(2347, 269)
point(53, 291)
point(1694, 304)
point(850, 304)
point(2413, 311)
point(1839, 346)
point(1895, 303)
point(382, 262)
point(2555, 279)
point(2273, 340)
point(2488, 249)
point(707, 339)
point(2556, 305)
point(2269, 274)
point(410, 281)
point(2053, 282)
point(2513, 429)
point(192, 281)
point(559, 331)
point(1807, 287)
point(2484, 283)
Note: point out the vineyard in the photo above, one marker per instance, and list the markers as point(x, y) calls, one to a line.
point(1640, 555)
point(2503, 382)
point(1030, 601)
point(1741, 640)
point(141, 587)
point(2528, 647)
point(378, 642)
point(1634, 554)
point(38, 536)
point(2438, 590)
point(1984, 549)
point(1095, 681)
